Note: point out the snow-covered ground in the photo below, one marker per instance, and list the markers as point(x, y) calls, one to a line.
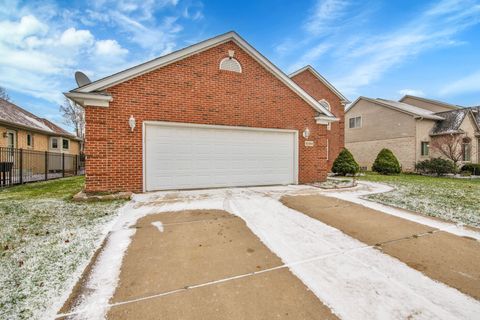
point(353, 279)
point(46, 244)
point(368, 190)
point(447, 198)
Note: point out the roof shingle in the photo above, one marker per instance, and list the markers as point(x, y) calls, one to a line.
point(14, 115)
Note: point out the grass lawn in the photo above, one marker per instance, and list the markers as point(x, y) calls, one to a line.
point(457, 200)
point(44, 239)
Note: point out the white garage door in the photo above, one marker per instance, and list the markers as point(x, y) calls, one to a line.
point(179, 156)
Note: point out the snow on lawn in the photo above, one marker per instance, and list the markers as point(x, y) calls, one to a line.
point(46, 243)
point(447, 198)
point(355, 280)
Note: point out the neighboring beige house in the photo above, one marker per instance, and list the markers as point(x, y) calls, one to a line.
point(407, 127)
point(23, 130)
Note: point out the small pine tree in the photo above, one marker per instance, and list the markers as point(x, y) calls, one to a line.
point(345, 164)
point(386, 163)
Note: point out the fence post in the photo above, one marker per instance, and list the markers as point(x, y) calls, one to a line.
point(63, 164)
point(46, 165)
point(76, 164)
point(21, 166)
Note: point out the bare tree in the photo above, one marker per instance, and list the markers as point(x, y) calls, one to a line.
point(4, 94)
point(74, 115)
point(450, 146)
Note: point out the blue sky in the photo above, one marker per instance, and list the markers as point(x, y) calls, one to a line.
point(371, 48)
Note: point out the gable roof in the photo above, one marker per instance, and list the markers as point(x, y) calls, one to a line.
point(92, 90)
point(399, 106)
point(453, 120)
point(440, 103)
point(322, 79)
point(15, 116)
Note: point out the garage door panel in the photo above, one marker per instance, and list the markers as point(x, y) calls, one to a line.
point(179, 157)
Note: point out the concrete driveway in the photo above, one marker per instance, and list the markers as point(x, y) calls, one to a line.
point(275, 252)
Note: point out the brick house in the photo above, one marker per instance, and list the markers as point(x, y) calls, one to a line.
point(214, 114)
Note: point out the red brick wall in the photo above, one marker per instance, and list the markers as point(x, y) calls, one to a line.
point(194, 90)
point(318, 90)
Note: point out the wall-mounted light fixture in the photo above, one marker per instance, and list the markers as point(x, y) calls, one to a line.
point(131, 123)
point(306, 133)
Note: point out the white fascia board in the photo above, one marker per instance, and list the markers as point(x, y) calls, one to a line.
point(351, 105)
point(343, 99)
point(89, 99)
point(197, 48)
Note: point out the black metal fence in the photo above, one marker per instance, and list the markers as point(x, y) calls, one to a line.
point(19, 166)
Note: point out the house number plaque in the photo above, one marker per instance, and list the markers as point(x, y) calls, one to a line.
point(308, 143)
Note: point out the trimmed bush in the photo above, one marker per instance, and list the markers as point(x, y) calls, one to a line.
point(436, 166)
point(473, 168)
point(386, 163)
point(345, 164)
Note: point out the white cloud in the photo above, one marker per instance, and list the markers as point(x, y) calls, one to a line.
point(326, 12)
point(311, 55)
point(468, 84)
point(336, 29)
point(109, 48)
point(371, 58)
point(37, 57)
point(15, 32)
point(138, 22)
point(76, 38)
point(412, 92)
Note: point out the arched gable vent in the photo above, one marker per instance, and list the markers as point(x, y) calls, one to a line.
point(325, 103)
point(230, 63)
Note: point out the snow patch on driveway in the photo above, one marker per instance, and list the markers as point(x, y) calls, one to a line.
point(158, 225)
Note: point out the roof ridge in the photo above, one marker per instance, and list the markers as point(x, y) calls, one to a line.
point(430, 100)
point(399, 106)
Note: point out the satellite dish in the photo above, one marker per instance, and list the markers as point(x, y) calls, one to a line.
point(82, 79)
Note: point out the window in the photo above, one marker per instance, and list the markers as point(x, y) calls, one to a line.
point(425, 148)
point(54, 143)
point(65, 144)
point(466, 150)
point(11, 139)
point(29, 140)
point(355, 122)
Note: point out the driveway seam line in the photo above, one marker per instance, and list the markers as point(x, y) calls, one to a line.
point(283, 266)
